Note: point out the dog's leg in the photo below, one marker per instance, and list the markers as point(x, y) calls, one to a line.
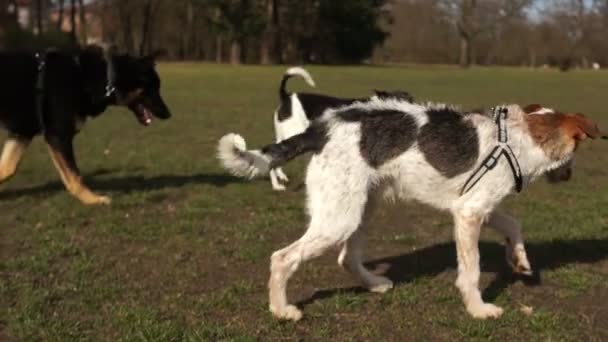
point(351, 256)
point(274, 180)
point(336, 208)
point(11, 156)
point(62, 153)
point(466, 234)
point(515, 250)
point(282, 176)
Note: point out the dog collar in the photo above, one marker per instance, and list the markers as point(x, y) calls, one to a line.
point(501, 149)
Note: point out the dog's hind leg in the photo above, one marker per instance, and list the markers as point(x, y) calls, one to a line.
point(62, 153)
point(466, 234)
point(515, 251)
point(11, 156)
point(336, 208)
point(351, 256)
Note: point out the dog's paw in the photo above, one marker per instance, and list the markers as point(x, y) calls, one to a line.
point(518, 260)
point(98, 200)
point(289, 312)
point(381, 285)
point(485, 310)
point(278, 187)
point(282, 177)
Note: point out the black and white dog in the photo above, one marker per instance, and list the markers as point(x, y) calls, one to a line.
point(297, 110)
point(461, 162)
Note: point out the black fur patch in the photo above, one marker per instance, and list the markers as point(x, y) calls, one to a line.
point(314, 105)
point(312, 140)
point(448, 142)
point(385, 134)
point(395, 94)
point(284, 110)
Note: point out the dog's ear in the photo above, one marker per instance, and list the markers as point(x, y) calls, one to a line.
point(532, 108)
point(579, 127)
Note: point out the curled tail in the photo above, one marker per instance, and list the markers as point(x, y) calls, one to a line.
point(235, 157)
point(291, 72)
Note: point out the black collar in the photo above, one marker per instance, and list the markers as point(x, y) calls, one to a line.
point(501, 149)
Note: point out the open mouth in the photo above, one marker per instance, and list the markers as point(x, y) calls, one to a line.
point(144, 116)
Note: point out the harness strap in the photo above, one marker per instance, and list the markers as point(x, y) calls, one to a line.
point(41, 58)
point(501, 149)
point(110, 75)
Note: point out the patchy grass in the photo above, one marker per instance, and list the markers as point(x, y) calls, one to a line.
point(183, 251)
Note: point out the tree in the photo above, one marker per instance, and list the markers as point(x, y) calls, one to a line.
point(145, 28)
point(73, 36)
point(61, 7)
point(474, 17)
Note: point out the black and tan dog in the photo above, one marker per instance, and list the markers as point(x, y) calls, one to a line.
point(53, 93)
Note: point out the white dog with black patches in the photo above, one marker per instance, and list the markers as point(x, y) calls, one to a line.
point(464, 163)
point(297, 110)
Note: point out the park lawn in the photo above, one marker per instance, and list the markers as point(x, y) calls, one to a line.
point(183, 251)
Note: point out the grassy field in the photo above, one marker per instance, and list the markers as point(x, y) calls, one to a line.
point(183, 251)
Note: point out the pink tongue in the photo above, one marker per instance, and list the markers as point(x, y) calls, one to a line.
point(147, 117)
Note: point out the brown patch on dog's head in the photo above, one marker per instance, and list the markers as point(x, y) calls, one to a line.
point(558, 134)
point(580, 127)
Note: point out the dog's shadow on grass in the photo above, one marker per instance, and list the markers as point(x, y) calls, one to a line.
point(125, 184)
point(432, 260)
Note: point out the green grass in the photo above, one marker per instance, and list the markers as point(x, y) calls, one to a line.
point(182, 253)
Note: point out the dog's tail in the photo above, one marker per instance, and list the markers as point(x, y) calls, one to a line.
point(291, 72)
point(235, 157)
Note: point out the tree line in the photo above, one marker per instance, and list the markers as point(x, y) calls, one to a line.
point(487, 32)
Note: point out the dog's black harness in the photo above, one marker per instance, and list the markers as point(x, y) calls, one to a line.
point(111, 77)
point(501, 149)
point(109, 96)
point(41, 58)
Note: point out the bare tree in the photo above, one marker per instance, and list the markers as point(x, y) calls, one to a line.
point(39, 11)
point(61, 6)
point(73, 36)
point(82, 22)
point(473, 17)
point(268, 35)
point(146, 27)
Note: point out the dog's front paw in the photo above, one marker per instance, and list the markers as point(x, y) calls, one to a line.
point(98, 200)
point(278, 187)
point(484, 310)
point(289, 312)
point(380, 285)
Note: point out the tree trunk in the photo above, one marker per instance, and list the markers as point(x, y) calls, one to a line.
point(278, 51)
point(267, 37)
point(219, 48)
point(465, 51)
point(190, 35)
point(82, 22)
point(73, 36)
point(38, 17)
point(126, 27)
point(235, 52)
point(145, 28)
point(60, 17)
